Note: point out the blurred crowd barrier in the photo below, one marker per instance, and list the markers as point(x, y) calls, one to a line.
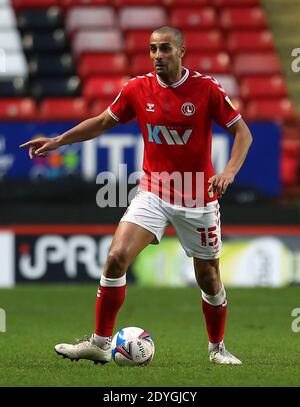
point(253, 256)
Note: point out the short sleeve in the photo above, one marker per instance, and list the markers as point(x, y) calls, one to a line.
point(223, 110)
point(121, 109)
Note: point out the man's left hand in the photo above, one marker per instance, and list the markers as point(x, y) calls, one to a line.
point(219, 182)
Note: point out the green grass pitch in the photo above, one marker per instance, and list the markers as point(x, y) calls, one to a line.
point(258, 331)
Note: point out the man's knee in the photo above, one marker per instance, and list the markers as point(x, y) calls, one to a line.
point(208, 276)
point(210, 283)
point(116, 263)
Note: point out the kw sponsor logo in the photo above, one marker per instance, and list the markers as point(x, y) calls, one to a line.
point(171, 136)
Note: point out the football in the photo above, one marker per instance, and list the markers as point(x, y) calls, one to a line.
point(132, 346)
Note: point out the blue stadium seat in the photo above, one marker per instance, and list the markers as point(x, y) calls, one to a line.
point(14, 87)
point(51, 65)
point(58, 87)
point(55, 41)
point(41, 19)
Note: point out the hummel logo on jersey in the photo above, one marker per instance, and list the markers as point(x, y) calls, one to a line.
point(150, 107)
point(158, 133)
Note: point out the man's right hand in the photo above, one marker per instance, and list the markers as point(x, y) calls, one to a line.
point(40, 146)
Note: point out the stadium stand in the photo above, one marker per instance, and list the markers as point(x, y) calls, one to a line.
point(51, 65)
point(23, 109)
point(90, 17)
point(281, 109)
point(140, 64)
point(7, 17)
point(208, 62)
point(188, 3)
point(63, 109)
point(262, 87)
point(97, 41)
point(99, 64)
point(40, 19)
point(189, 18)
point(73, 45)
point(233, 18)
point(225, 3)
point(141, 17)
point(64, 87)
point(15, 65)
point(10, 41)
point(106, 88)
point(67, 59)
point(255, 64)
point(284, 21)
point(249, 41)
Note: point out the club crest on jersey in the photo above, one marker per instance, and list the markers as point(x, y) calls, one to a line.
point(150, 107)
point(188, 109)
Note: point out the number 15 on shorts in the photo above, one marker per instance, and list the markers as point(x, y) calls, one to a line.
point(208, 236)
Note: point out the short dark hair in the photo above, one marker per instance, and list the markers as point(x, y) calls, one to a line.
point(167, 29)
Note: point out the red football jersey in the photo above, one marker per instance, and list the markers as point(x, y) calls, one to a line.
point(176, 122)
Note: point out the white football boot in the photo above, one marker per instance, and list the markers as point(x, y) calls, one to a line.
point(85, 349)
point(221, 356)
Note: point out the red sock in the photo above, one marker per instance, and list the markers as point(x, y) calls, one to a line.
point(215, 318)
point(109, 301)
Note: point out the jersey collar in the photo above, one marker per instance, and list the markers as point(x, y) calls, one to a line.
point(174, 85)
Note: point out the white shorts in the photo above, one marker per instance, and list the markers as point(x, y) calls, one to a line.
point(198, 229)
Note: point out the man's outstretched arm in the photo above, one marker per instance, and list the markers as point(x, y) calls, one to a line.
point(242, 142)
point(86, 130)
